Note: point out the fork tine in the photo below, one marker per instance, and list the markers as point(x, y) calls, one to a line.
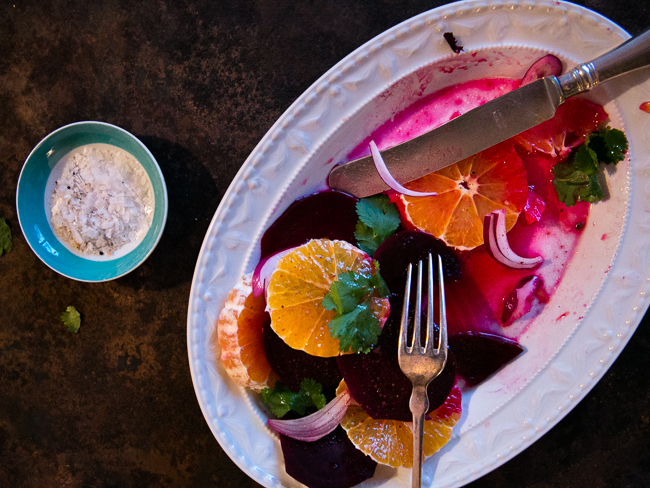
point(403, 330)
point(417, 340)
point(430, 322)
point(442, 343)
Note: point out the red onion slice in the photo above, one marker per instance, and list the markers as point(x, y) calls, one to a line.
point(264, 270)
point(318, 424)
point(548, 65)
point(382, 169)
point(496, 241)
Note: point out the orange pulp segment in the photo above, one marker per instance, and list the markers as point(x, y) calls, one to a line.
point(467, 191)
point(391, 441)
point(240, 337)
point(297, 287)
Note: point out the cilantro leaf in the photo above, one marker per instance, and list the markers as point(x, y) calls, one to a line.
point(378, 220)
point(314, 391)
point(6, 242)
point(345, 293)
point(354, 324)
point(577, 179)
point(617, 145)
point(378, 283)
point(281, 399)
point(585, 160)
point(72, 318)
point(357, 331)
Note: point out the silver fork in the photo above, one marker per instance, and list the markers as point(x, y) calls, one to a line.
point(422, 365)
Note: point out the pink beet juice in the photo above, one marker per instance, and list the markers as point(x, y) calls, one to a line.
point(476, 301)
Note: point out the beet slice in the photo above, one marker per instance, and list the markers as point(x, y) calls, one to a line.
point(377, 383)
point(409, 246)
point(478, 355)
point(329, 214)
point(293, 366)
point(330, 462)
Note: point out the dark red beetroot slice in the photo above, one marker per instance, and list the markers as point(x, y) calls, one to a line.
point(329, 214)
point(478, 354)
point(409, 246)
point(376, 382)
point(293, 365)
point(330, 462)
point(548, 65)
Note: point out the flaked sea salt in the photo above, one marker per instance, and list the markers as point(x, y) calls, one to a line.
point(102, 201)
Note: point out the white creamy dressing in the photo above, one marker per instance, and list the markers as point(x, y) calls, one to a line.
point(99, 201)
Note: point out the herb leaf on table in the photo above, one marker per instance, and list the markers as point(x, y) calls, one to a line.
point(6, 241)
point(72, 319)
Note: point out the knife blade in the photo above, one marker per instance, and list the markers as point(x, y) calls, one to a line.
point(488, 124)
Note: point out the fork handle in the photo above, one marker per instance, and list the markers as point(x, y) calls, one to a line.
point(419, 404)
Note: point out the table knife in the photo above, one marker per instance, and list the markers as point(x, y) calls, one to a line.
point(488, 124)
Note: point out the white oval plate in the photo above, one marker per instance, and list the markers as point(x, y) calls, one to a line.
point(577, 336)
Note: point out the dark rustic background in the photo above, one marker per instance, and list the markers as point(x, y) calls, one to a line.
point(200, 82)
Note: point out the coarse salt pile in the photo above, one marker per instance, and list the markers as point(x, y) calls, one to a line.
point(102, 201)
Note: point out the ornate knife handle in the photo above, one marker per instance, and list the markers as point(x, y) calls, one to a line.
point(631, 55)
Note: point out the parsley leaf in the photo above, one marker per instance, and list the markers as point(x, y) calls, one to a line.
point(281, 399)
point(378, 220)
point(354, 324)
point(72, 318)
point(577, 179)
point(6, 242)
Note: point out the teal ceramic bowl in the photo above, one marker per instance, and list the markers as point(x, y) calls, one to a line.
point(31, 202)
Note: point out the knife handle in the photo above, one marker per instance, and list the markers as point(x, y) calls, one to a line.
point(632, 54)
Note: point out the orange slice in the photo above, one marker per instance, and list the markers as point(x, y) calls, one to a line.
point(467, 191)
point(297, 287)
point(240, 337)
point(391, 441)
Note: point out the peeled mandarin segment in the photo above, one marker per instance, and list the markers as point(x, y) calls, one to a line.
point(485, 206)
point(465, 229)
point(437, 182)
point(432, 214)
point(391, 441)
point(385, 441)
point(467, 191)
point(380, 308)
point(296, 325)
point(299, 284)
point(240, 338)
point(452, 172)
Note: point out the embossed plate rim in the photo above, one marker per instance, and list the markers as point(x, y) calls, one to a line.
point(228, 410)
